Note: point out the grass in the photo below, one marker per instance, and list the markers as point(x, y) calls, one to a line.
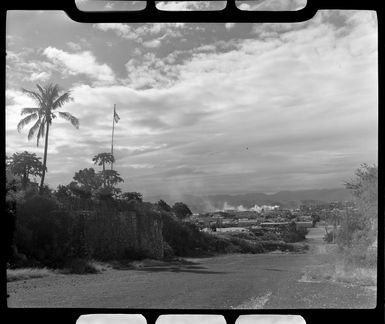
point(354, 275)
point(364, 276)
point(27, 273)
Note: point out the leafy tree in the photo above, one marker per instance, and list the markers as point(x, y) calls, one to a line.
point(88, 178)
point(181, 210)
point(25, 164)
point(86, 182)
point(111, 177)
point(48, 99)
point(80, 191)
point(129, 196)
point(162, 205)
point(357, 235)
point(365, 191)
point(315, 219)
point(63, 193)
point(102, 159)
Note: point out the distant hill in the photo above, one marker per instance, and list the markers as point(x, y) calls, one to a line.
point(285, 199)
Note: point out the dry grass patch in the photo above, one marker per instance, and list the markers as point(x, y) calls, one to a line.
point(27, 273)
point(353, 275)
point(356, 275)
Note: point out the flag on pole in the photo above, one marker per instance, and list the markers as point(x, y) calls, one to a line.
point(116, 117)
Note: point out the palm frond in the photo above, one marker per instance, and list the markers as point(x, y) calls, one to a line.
point(27, 111)
point(42, 92)
point(65, 97)
point(72, 119)
point(25, 121)
point(35, 96)
point(33, 129)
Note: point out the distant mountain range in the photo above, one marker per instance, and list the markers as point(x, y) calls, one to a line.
point(285, 199)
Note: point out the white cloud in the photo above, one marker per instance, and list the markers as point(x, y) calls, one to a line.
point(123, 30)
point(287, 107)
point(74, 46)
point(144, 33)
point(153, 43)
point(80, 63)
point(39, 76)
point(190, 5)
point(19, 65)
point(229, 26)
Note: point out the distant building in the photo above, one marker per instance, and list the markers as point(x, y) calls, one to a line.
point(274, 224)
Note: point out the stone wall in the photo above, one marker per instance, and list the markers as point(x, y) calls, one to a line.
point(127, 234)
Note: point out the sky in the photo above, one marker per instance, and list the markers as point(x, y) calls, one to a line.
point(205, 108)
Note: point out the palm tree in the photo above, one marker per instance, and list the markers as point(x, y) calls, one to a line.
point(103, 159)
point(48, 99)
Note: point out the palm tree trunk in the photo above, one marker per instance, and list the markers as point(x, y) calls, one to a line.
point(44, 159)
point(104, 175)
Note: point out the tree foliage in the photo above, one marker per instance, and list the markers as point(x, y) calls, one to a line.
point(181, 210)
point(25, 164)
point(162, 205)
point(102, 159)
point(358, 231)
point(129, 196)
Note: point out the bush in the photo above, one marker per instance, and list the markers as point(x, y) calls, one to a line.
point(47, 235)
point(329, 237)
point(246, 246)
point(168, 252)
point(39, 234)
point(78, 266)
point(186, 239)
point(292, 234)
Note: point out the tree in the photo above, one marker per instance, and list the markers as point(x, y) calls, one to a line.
point(132, 196)
point(103, 159)
point(358, 232)
point(63, 193)
point(48, 98)
point(315, 219)
point(25, 164)
point(111, 177)
point(88, 178)
point(365, 191)
point(181, 210)
point(162, 205)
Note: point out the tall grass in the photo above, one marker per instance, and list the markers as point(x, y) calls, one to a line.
point(27, 273)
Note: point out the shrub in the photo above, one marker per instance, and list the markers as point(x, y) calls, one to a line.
point(358, 231)
point(329, 237)
point(292, 234)
point(246, 246)
point(168, 252)
point(78, 266)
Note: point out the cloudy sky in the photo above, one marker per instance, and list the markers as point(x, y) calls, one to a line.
point(204, 108)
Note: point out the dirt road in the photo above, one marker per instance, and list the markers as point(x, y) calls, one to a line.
point(273, 280)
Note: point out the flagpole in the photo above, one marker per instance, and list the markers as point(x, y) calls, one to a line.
point(112, 139)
